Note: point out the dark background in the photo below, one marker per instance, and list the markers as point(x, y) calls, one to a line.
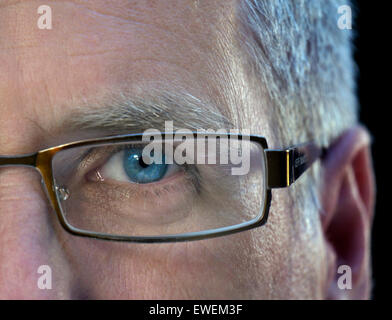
point(372, 33)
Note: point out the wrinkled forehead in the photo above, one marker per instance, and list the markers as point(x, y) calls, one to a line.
point(96, 46)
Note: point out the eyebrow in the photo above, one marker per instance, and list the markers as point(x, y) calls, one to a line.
point(125, 113)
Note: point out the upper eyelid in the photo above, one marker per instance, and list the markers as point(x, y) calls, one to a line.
point(80, 163)
point(91, 156)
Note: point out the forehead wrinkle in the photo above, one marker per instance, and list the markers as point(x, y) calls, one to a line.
point(128, 113)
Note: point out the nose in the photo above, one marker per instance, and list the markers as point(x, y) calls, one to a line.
point(30, 251)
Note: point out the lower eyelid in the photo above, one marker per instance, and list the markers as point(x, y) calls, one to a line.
point(125, 190)
point(96, 176)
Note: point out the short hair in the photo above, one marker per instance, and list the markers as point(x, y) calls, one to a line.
point(305, 62)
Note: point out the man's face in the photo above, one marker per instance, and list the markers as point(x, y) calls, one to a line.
point(94, 51)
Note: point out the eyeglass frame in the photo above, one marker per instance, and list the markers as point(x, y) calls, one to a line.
point(282, 168)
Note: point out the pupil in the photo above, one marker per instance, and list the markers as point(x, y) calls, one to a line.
point(142, 163)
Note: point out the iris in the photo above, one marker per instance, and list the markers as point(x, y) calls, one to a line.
point(140, 172)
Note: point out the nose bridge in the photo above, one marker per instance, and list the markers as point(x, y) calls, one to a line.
point(26, 228)
point(29, 160)
point(41, 162)
point(26, 160)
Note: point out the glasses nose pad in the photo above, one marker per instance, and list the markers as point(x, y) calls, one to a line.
point(63, 193)
point(43, 184)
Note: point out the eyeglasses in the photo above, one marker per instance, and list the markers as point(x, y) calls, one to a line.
point(167, 187)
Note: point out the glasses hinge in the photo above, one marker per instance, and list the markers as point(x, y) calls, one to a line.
point(280, 168)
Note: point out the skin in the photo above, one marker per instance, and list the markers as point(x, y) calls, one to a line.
point(99, 47)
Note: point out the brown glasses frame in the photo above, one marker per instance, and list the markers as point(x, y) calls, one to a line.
point(282, 166)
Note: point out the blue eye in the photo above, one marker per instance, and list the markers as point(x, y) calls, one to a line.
point(140, 172)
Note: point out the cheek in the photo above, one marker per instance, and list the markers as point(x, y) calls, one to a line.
point(295, 268)
point(278, 260)
point(220, 268)
point(254, 264)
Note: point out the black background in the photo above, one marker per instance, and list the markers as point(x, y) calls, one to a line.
point(372, 34)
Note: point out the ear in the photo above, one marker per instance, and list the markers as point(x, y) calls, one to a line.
point(348, 194)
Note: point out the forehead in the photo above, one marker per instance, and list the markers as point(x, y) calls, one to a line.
point(98, 47)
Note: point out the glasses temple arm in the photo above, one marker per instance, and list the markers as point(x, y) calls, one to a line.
point(28, 160)
point(285, 166)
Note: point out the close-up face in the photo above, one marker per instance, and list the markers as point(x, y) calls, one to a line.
point(109, 68)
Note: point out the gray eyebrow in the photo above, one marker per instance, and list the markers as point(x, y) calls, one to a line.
point(124, 113)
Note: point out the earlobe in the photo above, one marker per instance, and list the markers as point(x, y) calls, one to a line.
point(348, 200)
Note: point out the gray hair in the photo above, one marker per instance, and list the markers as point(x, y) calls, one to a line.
point(304, 61)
